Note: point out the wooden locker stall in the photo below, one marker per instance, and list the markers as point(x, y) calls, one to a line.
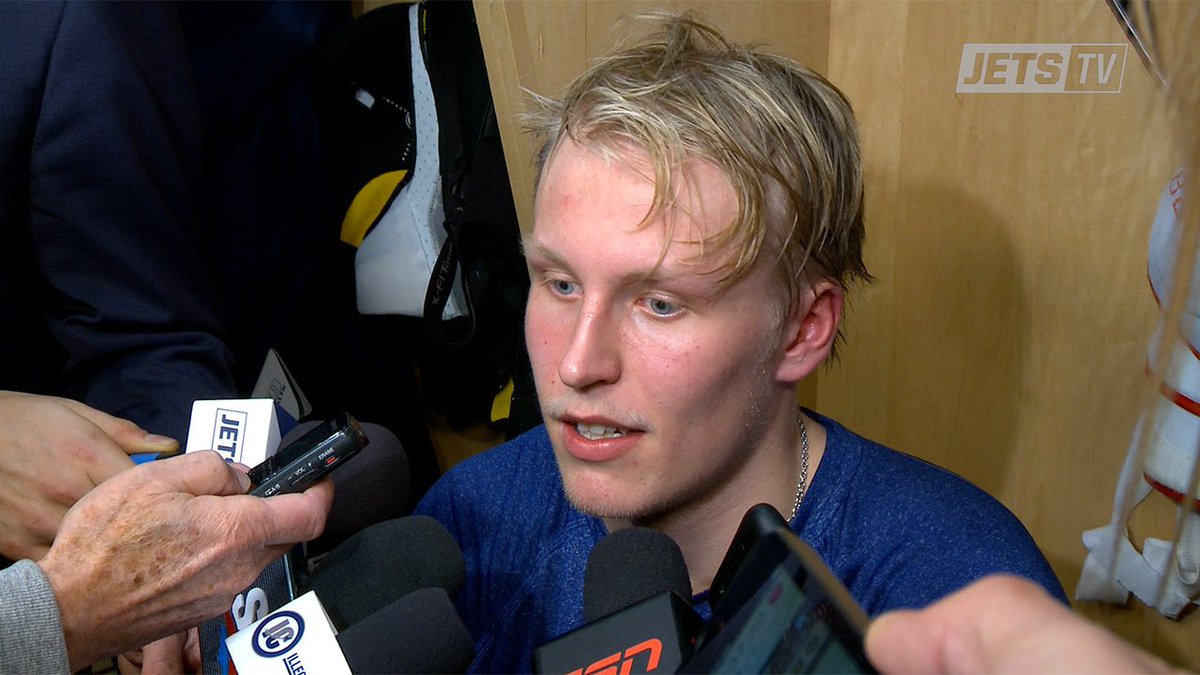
point(1005, 336)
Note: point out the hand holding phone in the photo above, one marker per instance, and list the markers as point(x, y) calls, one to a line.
point(309, 458)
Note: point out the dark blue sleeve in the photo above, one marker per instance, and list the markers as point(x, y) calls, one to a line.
point(114, 169)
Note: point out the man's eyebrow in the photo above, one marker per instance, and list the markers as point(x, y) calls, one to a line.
point(530, 246)
point(664, 274)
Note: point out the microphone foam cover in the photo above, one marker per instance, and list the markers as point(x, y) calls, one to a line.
point(385, 562)
point(371, 488)
point(419, 633)
point(629, 566)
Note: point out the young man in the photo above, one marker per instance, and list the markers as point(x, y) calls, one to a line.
point(698, 220)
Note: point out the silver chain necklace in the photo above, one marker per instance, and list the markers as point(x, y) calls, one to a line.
point(802, 486)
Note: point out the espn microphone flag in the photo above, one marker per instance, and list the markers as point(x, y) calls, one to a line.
point(648, 637)
point(638, 619)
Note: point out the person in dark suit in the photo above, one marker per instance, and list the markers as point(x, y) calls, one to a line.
point(103, 296)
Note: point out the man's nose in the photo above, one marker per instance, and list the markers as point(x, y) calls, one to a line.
point(592, 357)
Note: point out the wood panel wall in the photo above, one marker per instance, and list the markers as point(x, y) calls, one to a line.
point(1005, 335)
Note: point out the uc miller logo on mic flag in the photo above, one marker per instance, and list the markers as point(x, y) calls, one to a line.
point(278, 634)
point(298, 636)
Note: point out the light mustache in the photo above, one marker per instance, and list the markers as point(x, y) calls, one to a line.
point(556, 407)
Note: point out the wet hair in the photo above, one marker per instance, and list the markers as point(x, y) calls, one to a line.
point(783, 135)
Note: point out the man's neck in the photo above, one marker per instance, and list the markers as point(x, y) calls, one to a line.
point(705, 527)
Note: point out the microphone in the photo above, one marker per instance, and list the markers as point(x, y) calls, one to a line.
point(419, 633)
point(385, 593)
point(383, 563)
point(638, 620)
point(371, 489)
point(246, 431)
point(297, 638)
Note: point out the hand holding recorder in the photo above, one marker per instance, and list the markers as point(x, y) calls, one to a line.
point(163, 546)
point(293, 468)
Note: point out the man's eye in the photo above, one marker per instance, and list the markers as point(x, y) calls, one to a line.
point(561, 286)
point(660, 307)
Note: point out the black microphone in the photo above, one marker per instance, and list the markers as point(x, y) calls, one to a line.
point(382, 564)
point(419, 633)
point(638, 620)
point(386, 591)
point(371, 489)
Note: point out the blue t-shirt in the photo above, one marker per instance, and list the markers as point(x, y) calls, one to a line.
point(899, 532)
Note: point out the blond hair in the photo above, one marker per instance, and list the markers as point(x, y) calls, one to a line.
point(782, 134)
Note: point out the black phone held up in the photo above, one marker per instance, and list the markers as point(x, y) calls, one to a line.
point(297, 466)
point(781, 610)
point(758, 522)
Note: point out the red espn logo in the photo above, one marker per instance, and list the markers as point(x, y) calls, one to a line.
point(607, 665)
point(1041, 68)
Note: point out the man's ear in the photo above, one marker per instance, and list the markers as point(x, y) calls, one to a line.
point(810, 330)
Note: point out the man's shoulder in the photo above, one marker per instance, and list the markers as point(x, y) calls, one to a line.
point(909, 531)
point(897, 500)
point(874, 468)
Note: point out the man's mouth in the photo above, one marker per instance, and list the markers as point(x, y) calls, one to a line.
point(595, 432)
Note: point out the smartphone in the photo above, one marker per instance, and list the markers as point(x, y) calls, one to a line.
point(783, 611)
point(758, 522)
point(309, 458)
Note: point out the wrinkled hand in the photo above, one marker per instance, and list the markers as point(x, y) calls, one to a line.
point(52, 452)
point(165, 545)
point(1000, 624)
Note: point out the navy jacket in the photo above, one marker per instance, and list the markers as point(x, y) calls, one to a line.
point(103, 297)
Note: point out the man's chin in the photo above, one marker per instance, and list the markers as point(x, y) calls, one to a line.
point(600, 505)
point(612, 505)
